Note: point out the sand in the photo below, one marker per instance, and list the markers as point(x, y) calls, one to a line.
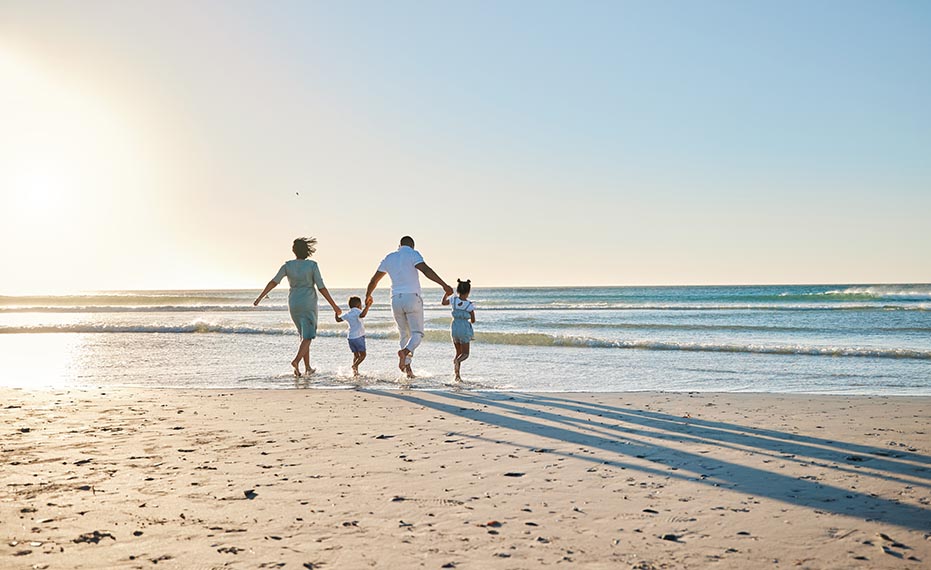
point(124, 478)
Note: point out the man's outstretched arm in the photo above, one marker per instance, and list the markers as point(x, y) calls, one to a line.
point(432, 276)
point(373, 282)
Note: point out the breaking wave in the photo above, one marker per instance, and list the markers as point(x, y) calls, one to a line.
point(516, 339)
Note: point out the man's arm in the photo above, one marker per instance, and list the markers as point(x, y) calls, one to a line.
point(432, 276)
point(365, 311)
point(373, 282)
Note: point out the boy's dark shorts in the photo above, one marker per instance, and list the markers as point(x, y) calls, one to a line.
point(357, 344)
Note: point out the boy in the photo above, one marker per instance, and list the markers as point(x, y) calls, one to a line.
point(356, 336)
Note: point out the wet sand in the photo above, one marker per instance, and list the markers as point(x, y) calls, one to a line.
point(123, 478)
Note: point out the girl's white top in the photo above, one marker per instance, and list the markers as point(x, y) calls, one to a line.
point(457, 304)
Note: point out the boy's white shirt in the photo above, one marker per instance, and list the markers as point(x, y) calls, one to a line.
point(356, 328)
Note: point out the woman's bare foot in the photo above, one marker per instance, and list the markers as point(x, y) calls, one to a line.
point(408, 371)
point(355, 371)
point(297, 371)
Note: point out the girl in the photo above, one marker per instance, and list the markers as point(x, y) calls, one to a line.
point(463, 317)
point(304, 278)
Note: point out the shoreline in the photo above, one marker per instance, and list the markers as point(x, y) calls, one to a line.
point(346, 478)
point(396, 386)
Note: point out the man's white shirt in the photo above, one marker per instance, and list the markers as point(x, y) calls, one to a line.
point(401, 267)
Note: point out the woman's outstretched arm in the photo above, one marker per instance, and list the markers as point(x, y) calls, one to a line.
point(326, 295)
point(271, 285)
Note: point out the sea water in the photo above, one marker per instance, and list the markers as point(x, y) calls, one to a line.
point(856, 339)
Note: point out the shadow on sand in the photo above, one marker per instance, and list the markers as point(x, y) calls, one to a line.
point(617, 435)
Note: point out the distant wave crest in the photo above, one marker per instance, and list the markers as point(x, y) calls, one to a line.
point(140, 308)
point(869, 293)
point(782, 305)
point(516, 339)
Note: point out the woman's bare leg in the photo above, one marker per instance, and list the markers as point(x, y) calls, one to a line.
point(307, 368)
point(303, 353)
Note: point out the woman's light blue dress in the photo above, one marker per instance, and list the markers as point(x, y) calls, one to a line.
point(304, 278)
point(461, 329)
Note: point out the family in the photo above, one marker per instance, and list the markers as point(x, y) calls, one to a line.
point(403, 267)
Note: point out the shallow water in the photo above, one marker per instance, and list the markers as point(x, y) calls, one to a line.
point(820, 339)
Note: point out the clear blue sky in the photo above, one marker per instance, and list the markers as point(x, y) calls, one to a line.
point(537, 143)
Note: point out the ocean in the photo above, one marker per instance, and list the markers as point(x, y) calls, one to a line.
point(836, 339)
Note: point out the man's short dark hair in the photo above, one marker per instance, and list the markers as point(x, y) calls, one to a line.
point(408, 241)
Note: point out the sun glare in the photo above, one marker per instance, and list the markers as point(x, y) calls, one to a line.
point(67, 157)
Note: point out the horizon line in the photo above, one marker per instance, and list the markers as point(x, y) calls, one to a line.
point(437, 288)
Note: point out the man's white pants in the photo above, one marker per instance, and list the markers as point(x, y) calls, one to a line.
point(408, 313)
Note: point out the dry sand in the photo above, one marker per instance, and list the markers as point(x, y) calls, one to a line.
point(120, 478)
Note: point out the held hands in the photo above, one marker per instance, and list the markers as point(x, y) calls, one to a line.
point(369, 300)
point(447, 289)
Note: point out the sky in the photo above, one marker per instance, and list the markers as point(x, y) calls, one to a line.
point(170, 144)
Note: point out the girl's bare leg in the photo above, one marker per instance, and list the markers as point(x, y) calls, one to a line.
point(462, 354)
point(456, 359)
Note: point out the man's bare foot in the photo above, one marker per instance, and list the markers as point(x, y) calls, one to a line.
point(409, 372)
point(404, 359)
point(355, 371)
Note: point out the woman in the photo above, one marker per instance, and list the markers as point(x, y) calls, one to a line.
point(303, 275)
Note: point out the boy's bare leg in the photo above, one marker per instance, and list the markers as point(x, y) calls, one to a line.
point(358, 357)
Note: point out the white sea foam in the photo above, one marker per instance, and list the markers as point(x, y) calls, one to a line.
point(142, 309)
point(897, 292)
point(809, 306)
point(517, 339)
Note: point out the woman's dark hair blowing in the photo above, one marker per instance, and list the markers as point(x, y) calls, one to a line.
point(304, 247)
point(464, 287)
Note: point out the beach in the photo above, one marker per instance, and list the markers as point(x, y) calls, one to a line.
point(117, 477)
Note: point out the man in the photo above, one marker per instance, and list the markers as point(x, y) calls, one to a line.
point(406, 303)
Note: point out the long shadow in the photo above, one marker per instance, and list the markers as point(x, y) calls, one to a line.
point(620, 442)
point(788, 447)
point(673, 428)
point(845, 447)
point(681, 431)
